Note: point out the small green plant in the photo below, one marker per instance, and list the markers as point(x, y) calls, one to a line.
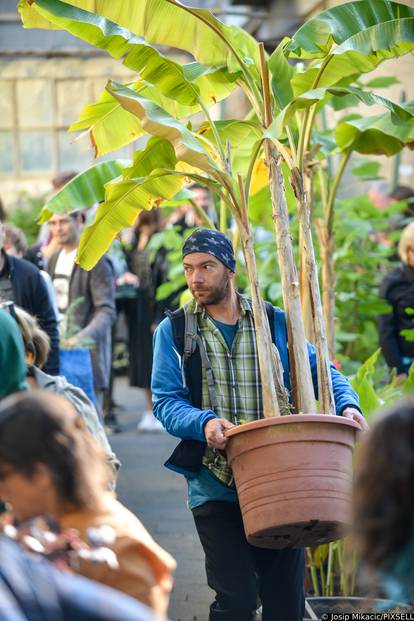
point(69, 329)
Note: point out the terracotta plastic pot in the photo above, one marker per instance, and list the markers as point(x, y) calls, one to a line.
point(293, 476)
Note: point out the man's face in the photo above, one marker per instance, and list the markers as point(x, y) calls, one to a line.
point(207, 278)
point(65, 229)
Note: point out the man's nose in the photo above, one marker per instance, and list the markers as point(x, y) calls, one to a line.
point(198, 276)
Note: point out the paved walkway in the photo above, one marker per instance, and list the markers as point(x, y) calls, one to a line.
point(158, 497)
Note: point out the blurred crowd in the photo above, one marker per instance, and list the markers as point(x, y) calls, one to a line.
point(59, 325)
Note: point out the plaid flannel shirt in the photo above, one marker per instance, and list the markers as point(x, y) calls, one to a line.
point(236, 377)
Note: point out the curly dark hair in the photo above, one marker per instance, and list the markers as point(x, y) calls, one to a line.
point(42, 428)
point(384, 487)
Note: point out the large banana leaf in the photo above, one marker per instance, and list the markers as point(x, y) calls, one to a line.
point(110, 127)
point(171, 79)
point(399, 113)
point(158, 122)
point(84, 190)
point(241, 138)
point(168, 22)
point(352, 38)
point(375, 135)
point(126, 197)
point(339, 25)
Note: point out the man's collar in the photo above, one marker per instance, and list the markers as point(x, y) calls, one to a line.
point(198, 309)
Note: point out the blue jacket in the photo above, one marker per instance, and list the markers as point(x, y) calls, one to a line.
point(171, 397)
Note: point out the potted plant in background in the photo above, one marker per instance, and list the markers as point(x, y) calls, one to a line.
point(341, 44)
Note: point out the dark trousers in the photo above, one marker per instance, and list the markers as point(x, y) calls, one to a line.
point(242, 575)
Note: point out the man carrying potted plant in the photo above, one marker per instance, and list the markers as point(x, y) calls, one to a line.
point(205, 380)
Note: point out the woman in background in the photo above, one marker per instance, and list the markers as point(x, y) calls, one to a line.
point(144, 312)
point(49, 464)
point(384, 501)
point(397, 289)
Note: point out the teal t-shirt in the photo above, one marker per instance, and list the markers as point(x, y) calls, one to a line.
point(228, 330)
point(205, 486)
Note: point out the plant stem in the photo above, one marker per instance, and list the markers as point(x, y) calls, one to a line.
point(253, 159)
point(262, 329)
point(308, 120)
point(202, 215)
point(214, 130)
point(329, 217)
point(223, 217)
point(301, 378)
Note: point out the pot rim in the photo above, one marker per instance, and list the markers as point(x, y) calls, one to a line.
point(292, 418)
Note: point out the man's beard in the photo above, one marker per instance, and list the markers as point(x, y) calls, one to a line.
point(214, 295)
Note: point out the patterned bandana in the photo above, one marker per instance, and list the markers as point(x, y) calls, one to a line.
point(212, 242)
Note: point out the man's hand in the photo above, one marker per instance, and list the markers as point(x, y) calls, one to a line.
point(71, 343)
point(356, 415)
point(214, 432)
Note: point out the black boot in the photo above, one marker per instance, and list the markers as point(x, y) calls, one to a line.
point(220, 614)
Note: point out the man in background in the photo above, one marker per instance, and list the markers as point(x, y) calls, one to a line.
point(22, 283)
point(94, 292)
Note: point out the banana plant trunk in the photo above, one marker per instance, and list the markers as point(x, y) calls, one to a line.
point(267, 366)
point(327, 249)
point(325, 391)
point(301, 377)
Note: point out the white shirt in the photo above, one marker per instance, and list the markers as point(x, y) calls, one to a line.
point(61, 278)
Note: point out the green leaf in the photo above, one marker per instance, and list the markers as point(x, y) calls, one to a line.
point(353, 39)
point(363, 384)
point(399, 113)
point(242, 136)
point(281, 75)
point(158, 122)
point(109, 126)
point(382, 82)
point(124, 200)
point(170, 23)
point(375, 135)
point(84, 190)
point(347, 25)
point(367, 170)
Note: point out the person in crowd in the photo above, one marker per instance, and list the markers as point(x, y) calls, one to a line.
point(142, 311)
point(384, 501)
point(182, 402)
point(22, 282)
point(15, 244)
point(32, 589)
point(397, 289)
point(12, 360)
point(94, 291)
point(47, 244)
point(2, 212)
point(36, 344)
point(49, 464)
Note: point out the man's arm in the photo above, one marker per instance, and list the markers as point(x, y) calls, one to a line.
point(170, 395)
point(103, 298)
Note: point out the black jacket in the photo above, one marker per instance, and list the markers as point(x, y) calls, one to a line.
point(30, 292)
point(397, 289)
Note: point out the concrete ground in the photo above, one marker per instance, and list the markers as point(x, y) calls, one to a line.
point(158, 497)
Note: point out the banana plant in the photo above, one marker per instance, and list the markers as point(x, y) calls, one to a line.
point(338, 46)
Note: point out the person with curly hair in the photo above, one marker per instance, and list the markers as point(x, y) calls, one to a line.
point(384, 501)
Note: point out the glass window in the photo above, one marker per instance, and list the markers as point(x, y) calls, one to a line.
point(72, 96)
point(35, 103)
point(73, 155)
point(6, 104)
point(36, 151)
point(6, 152)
